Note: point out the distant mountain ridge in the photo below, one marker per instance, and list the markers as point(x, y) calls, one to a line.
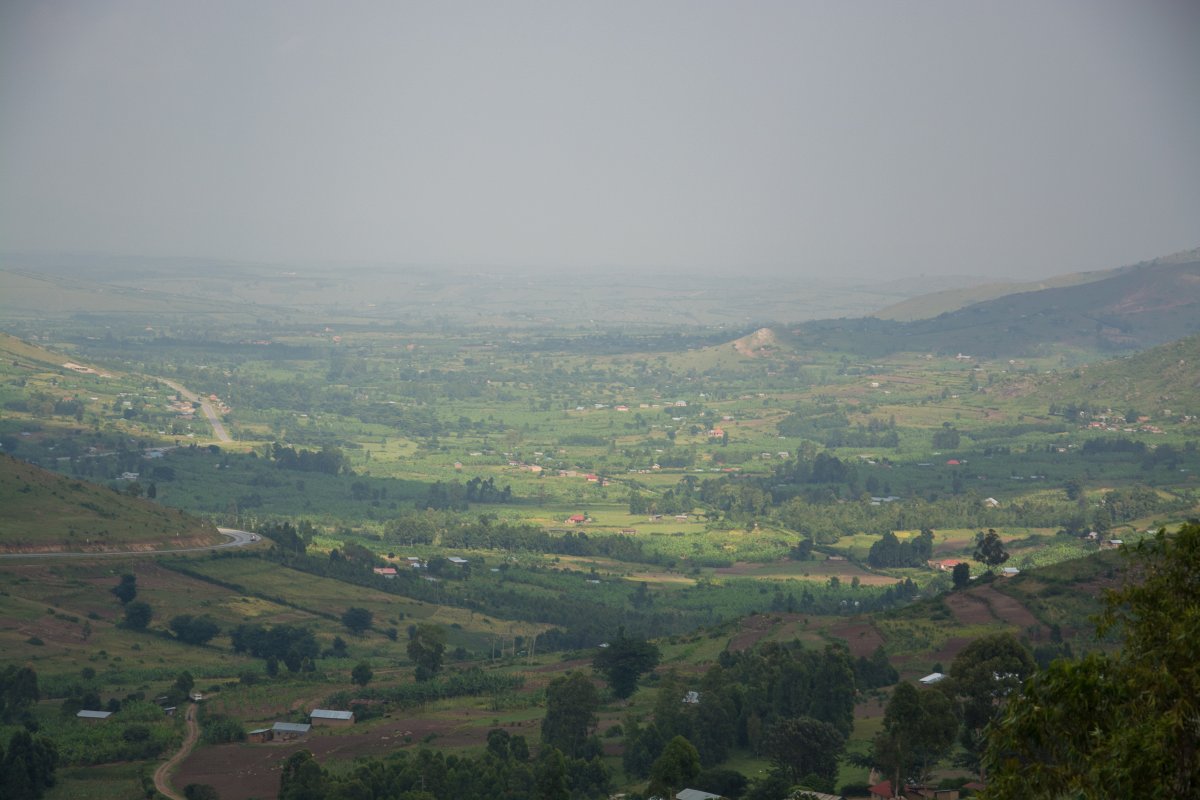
point(1132, 309)
point(927, 306)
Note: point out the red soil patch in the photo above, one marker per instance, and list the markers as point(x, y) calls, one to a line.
point(861, 637)
point(753, 630)
point(969, 609)
point(980, 605)
point(952, 647)
point(1007, 608)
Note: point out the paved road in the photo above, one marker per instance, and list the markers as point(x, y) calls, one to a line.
point(236, 539)
point(205, 406)
point(161, 779)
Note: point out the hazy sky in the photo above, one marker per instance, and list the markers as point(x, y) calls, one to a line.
point(827, 138)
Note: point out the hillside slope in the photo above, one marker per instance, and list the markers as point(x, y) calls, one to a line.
point(1163, 379)
point(47, 512)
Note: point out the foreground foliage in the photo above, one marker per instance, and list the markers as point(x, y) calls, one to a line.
point(1124, 725)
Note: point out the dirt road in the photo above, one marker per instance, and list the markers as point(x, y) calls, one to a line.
point(205, 406)
point(161, 774)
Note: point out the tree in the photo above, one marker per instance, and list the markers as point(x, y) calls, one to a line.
point(302, 778)
point(426, 646)
point(989, 549)
point(357, 620)
point(551, 776)
point(1120, 725)
point(27, 766)
point(804, 746)
point(623, 661)
point(193, 630)
point(184, 683)
point(571, 703)
point(947, 438)
point(362, 674)
point(200, 791)
point(18, 691)
point(918, 731)
point(674, 769)
point(982, 677)
point(126, 590)
point(138, 615)
point(961, 575)
point(338, 648)
point(1073, 488)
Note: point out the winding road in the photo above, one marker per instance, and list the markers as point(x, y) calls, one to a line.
point(161, 775)
point(236, 539)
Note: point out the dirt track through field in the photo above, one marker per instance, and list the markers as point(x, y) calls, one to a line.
point(161, 775)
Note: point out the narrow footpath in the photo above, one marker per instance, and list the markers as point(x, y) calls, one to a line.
point(161, 775)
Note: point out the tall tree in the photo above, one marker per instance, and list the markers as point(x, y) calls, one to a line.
point(571, 703)
point(18, 691)
point(989, 549)
point(674, 769)
point(550, 776)
point(27, 767)
point(982, 677)
point(623, 661)
point(1120, 725)
point(426, 646)
point(918, 731)
point(961, 575)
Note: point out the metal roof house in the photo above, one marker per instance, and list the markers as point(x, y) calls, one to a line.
point(325, 716)
point(696, 794)
point(932, 678)
point(93, 715)
point(290, 730)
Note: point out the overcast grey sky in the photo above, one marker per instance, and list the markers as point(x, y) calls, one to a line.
point(844, 138)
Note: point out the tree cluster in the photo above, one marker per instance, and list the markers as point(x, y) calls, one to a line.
point(742, 700)
point(292, 644)
point(193, 630)
point(504, 769)
point(328, 460)
point(889, 551)
point(27, 766)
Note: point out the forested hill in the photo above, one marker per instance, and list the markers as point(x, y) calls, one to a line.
point(1132, 310)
